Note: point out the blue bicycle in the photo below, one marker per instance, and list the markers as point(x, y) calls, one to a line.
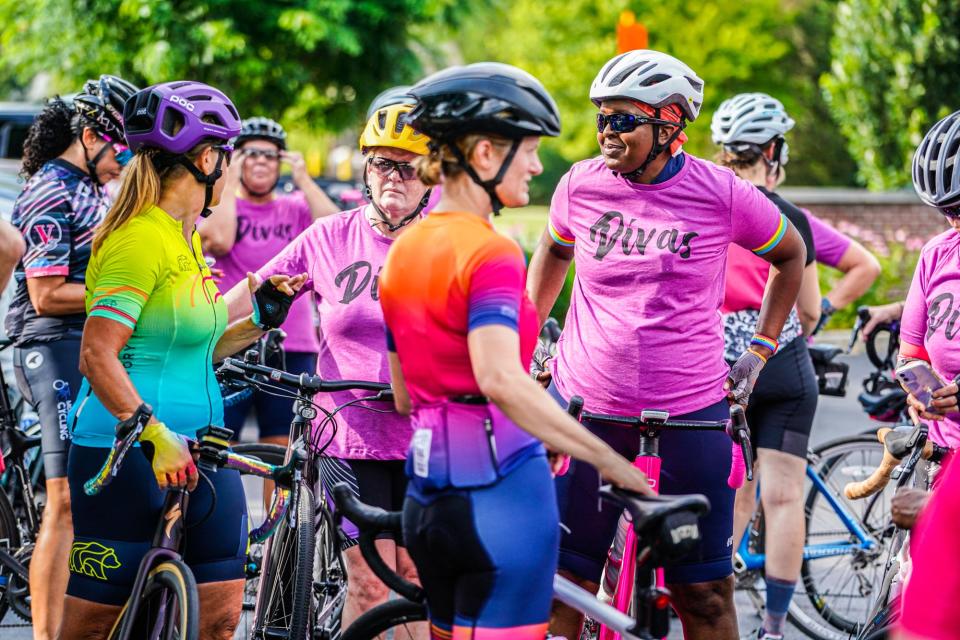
point(847, 541)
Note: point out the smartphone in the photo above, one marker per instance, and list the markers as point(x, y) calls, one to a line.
point(919, 378)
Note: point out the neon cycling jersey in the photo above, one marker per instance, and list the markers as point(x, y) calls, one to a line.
point(146, 277)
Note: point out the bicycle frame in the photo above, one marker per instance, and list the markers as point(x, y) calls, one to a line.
point(865, 542)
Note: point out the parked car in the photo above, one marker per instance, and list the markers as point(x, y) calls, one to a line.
point(15, 119)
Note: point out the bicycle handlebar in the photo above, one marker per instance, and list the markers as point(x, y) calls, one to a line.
point(303, 383)
point(896, 447)
point(893, 328)
point(127, 433)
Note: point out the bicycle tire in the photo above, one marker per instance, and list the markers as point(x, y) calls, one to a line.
point(329, 575)
point(10, 541)
point(272, 454)
point(170, 588)
point(284, 603)
point(395, 614)
point(826, 615)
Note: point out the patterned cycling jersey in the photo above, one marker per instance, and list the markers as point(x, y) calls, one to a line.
point(56, 213)
point(146, 277)
point(449, 274)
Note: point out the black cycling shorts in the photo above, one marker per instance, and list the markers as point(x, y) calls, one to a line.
point(784, 401)
point(378, 483)
point(49, 377)
point(113, 530)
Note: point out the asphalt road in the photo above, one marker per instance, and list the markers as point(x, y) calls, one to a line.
point(836, 417)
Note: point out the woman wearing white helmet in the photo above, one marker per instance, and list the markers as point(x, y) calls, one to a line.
point(750, 128)
point(648, 227)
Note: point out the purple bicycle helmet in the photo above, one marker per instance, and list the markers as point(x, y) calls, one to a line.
point(177, 116)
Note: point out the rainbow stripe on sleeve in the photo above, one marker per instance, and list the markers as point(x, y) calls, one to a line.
point(769, 245)
point(560, 238)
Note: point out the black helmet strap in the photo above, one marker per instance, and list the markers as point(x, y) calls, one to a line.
point(656, 149)
point(206, 179)
point(490, 186)
point(95, 160)
point(368, 193)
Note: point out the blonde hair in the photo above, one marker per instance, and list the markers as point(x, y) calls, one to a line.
point(142, 186)
point(441, 162)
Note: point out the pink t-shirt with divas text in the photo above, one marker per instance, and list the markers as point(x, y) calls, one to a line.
point(931, 319)
point(263, 230)
point(342, 256)
point(830, 243)
point(643, 330)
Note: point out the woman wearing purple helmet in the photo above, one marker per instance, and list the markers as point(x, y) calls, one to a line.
point(155, 324)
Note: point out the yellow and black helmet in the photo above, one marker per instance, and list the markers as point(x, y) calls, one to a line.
point(387, 128)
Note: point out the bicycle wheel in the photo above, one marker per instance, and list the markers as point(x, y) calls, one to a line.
point(9, 542)
point(285, 602)
point(398, 615)
point(329, 576)
point(257, 507)
point(840, 589)
point(168, 606)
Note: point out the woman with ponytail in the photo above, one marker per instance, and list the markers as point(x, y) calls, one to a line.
point(71, 151)
point(155, 324)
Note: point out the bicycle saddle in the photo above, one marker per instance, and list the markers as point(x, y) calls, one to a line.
point(648, 512)
point(823, 353)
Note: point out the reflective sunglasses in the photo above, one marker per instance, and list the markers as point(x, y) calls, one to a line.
point(383, 167)
point(951, 211)
point(121, 152)
point(626, 122)
point(267, 154)
point(226, 150)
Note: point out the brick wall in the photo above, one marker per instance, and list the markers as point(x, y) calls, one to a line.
point(871, 217)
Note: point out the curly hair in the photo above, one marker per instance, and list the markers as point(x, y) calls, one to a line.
point(50, 134)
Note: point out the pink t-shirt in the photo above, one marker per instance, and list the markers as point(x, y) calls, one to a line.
point(343, 255)
point(931, 319)
point(263, 230)
point(643, 330)
point(929, 605)
point(830, 243)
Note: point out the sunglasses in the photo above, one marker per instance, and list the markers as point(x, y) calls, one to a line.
point(383, 167)
point(626, 122)
point(226, 150)
point(951, 211)
point(121, 152)
point(267, 154)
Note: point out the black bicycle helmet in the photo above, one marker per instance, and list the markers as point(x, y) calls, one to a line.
point(100, 106)
point(485, 97)
point(394, 95)
point(260, 128)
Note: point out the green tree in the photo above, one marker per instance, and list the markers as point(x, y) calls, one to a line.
point(313, 61)
point(894, 73)
point(751, 45)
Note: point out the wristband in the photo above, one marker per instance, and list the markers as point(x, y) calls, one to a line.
point(756, 353)
point(760, 340)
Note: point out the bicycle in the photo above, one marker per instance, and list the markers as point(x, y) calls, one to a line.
point(299, 580)
point(904, 449)
point(845, 540)
point(163, 602)
point(666, 529)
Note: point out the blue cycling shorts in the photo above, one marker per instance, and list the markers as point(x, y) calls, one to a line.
point(487, 556)
point(692, 462)
point(113, 530)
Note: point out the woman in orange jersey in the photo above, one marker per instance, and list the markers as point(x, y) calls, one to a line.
point(461, 333)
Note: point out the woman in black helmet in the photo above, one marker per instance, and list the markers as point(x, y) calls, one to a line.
point(461, 332)
point(71, 151)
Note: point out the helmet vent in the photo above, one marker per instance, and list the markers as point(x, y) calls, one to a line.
point(657, 79)
point(623, 75)
point(172, 122)
point(382, 119)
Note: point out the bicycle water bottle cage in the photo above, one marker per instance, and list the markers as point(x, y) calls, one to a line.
point(654, 416)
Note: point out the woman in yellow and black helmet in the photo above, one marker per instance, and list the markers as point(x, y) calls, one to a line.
point(342, 254)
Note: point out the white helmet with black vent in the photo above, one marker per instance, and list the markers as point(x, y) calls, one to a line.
point(651, 77)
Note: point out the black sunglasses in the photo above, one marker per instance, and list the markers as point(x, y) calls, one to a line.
point(383, 167)
point(626, 122)
point(226, 150)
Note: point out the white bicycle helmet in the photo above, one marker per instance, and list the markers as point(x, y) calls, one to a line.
point(749, 120)
point(650, 77)
point(935, 174)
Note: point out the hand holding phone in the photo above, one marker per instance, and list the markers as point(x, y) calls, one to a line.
point(918, 378)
